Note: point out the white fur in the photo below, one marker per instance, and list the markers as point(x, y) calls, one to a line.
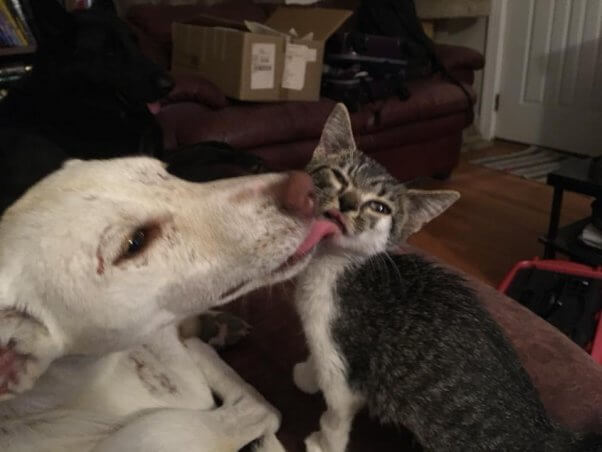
point(102, 366)
point(325, 368)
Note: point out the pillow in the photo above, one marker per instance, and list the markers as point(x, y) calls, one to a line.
point(195, 88)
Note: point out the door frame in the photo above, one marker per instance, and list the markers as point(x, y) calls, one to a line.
point(492, 73)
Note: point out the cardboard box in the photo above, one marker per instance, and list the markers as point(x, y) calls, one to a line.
point(269, 64)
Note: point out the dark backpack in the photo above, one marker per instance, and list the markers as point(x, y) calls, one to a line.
point(398, 18)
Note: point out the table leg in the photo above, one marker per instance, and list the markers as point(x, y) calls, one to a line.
point(550, 251)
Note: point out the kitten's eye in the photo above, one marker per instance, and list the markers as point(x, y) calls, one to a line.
point(136, 242)
point(339, 177)
point(379, 207)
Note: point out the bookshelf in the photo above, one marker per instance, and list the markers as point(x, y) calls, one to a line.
point(23, 50)
point(17, 42)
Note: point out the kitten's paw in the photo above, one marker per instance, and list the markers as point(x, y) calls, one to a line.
point(304, 377)
point(314, 443)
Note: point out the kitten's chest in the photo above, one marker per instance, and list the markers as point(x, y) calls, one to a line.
point(317, 302)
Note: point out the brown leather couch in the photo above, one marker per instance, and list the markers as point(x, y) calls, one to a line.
point(421, 136)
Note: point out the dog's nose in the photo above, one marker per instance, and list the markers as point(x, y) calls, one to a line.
point(298, 195)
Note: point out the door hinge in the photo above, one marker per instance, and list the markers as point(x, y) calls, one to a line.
point(496, 103)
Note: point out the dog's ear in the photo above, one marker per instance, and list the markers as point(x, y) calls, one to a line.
point(53, 25)
point(26, 348)
point(106, 6)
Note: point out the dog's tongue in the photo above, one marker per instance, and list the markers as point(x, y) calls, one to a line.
point(154, 107)
point(320, 229)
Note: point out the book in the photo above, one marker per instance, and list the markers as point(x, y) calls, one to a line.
point(7, 35)
point(17, 11)
point(12, 25)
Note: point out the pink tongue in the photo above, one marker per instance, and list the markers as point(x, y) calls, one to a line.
point(319, 230)
point(154, 107)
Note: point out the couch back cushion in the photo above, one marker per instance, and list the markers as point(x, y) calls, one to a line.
point(156, 20)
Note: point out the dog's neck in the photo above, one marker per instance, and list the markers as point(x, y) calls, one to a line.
point(67, 378)
point(64, 378)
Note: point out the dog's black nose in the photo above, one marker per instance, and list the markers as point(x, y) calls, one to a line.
point(165, 83)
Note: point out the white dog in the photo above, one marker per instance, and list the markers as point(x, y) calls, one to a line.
point(99, 262)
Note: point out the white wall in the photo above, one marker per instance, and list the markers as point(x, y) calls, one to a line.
point(468, 32)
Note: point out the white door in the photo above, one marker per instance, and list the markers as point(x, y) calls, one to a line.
point(551, 82)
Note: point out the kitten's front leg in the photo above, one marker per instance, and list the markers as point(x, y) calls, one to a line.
point(336, 421)
point(305, 376)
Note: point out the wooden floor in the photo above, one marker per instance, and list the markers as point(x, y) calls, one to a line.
point(497, 220)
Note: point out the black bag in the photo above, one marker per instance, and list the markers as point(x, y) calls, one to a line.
point(398, 19)
point(361, 68)
point(373, 52)
point(569, 302)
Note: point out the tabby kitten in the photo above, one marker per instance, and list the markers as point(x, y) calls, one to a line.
point(399, 334)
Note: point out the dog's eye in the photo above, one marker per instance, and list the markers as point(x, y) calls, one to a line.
point(379, 207)
point(136, 242)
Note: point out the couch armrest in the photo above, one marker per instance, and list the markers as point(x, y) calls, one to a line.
point(459, 58)
point(194, 88)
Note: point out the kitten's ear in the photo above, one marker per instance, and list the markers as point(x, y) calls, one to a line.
point(422, 206)
point(26, 347)
point(337, 134)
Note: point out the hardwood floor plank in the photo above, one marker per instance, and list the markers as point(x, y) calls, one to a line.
point(496, 222)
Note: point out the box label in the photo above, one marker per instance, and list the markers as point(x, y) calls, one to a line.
point(263, 65)
point(295, 62)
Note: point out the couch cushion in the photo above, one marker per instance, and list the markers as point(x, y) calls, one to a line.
point(194, 88)
point(251, 125)
point(436, 157)
point(458, 57)
point(416, 149)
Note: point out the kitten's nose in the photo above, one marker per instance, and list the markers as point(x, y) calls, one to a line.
point(349, 201)
point(298, 195)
